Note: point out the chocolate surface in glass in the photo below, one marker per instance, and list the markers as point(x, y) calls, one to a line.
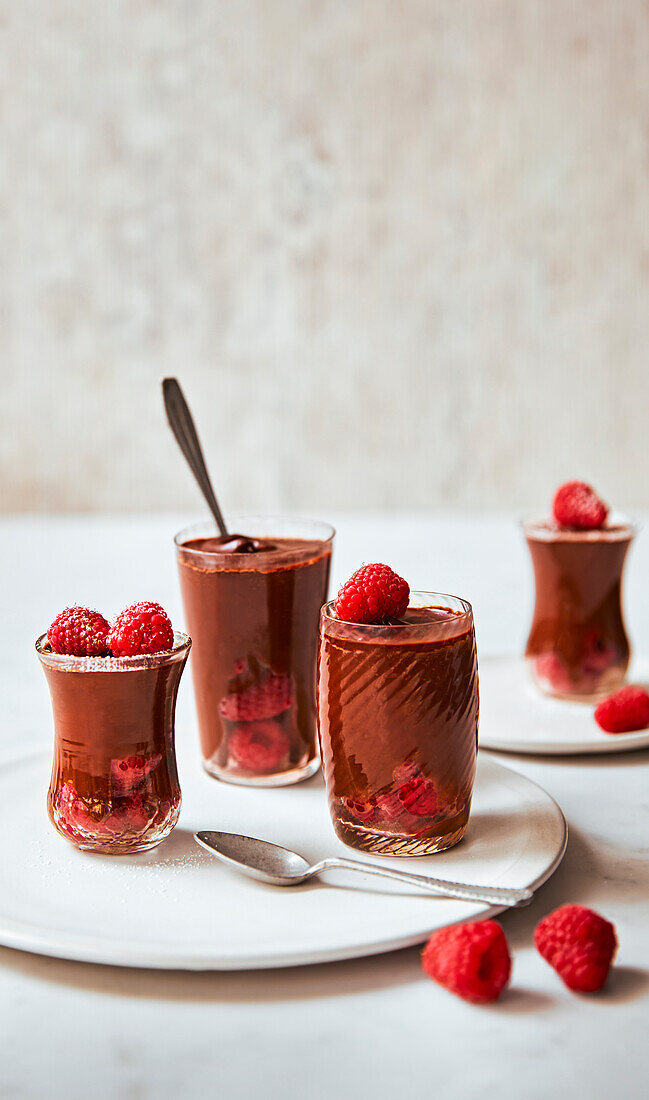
point(398, 720)
point(253, 614)
point(114, 787)
point(577, 645)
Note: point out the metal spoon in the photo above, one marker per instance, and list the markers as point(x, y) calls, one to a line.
point(278, 866)
point(182, 425)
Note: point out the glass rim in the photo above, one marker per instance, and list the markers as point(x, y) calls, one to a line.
point(465, 613)
point(541, 527)
point(324, 535)
point(68, 662)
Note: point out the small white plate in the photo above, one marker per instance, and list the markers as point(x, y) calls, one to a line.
point(177, 907)
point(516, 717)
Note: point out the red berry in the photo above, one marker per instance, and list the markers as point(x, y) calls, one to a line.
point(269, 697)
point(579, 944)
point(361, 810)
point(258, 746)
point(130, 772)
point(577, 505)
point(142, 628)
point(419, 796)
point(79, 632)
point(471, 960)
point(372, 594)
point(550, 669)
point(82, 820)
point(624, 711)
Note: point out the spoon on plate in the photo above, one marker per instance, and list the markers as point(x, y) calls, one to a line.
point(259, 859)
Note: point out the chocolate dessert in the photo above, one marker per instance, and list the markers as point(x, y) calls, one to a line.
point(252, 605)
point(398, 721)
point(578, 647)
point(114, 786)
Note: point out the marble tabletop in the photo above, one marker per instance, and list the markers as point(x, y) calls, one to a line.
point(368, 1028)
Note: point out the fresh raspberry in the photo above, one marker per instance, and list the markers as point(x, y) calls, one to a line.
point(624, 711)
point(579, 944)
point(419, 796)
point(79, 632)
point(258, 746)
point(372, 594)
point(577, 505)
point(471, 960)
point(550, 668)
point(81, 820)
point(361, 810)
point(142, 628)
point(128, 774)
point(271, 696)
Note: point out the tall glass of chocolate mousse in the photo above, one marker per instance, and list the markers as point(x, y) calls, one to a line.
point(398, 721)
point(114, 786)
point(252, 602)
point(578, 646)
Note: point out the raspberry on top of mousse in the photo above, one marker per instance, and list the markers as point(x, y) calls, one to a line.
point(79, 632)
point(577, 505)
point(373, 594)
point(143, 628)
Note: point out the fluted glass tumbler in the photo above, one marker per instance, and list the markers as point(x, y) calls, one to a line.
point(578, 646)
point(114, 786)
point(398, 711)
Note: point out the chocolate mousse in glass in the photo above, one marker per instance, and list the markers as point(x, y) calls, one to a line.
point(252, 602)
point(114, 786)
point(398, 722)
point(578, 646)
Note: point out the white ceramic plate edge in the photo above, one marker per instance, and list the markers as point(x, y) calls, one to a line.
point(601, 742)
point(37, 940)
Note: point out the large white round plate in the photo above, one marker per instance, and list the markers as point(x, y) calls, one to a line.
point(178, 907)
point(516, 717)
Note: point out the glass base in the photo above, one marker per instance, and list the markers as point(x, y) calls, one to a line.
point(387, 844)
point(556, 686)
point(277, 779)
point(101, 849)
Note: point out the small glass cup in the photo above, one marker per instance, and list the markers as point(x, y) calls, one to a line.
point(114, 786)
point(398, 722)
point(578, 647)
point(254, 621)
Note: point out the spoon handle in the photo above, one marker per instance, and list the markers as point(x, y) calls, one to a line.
point(182, 425)
point(493, 895)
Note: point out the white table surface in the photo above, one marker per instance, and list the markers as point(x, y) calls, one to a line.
point(370, 1028)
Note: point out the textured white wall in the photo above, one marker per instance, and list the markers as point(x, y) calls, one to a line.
point(397, 253)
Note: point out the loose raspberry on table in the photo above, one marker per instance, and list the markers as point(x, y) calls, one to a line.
point(127, 774)
point(579, 944)
point(624, 711)
point(79, 632)
point(258, 746)
point(268, 698)
point(142, 628)
point(577, 505)
point(471, 960)
point(372, 594)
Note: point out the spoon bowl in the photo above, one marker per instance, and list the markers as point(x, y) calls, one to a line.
point(256, 858)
